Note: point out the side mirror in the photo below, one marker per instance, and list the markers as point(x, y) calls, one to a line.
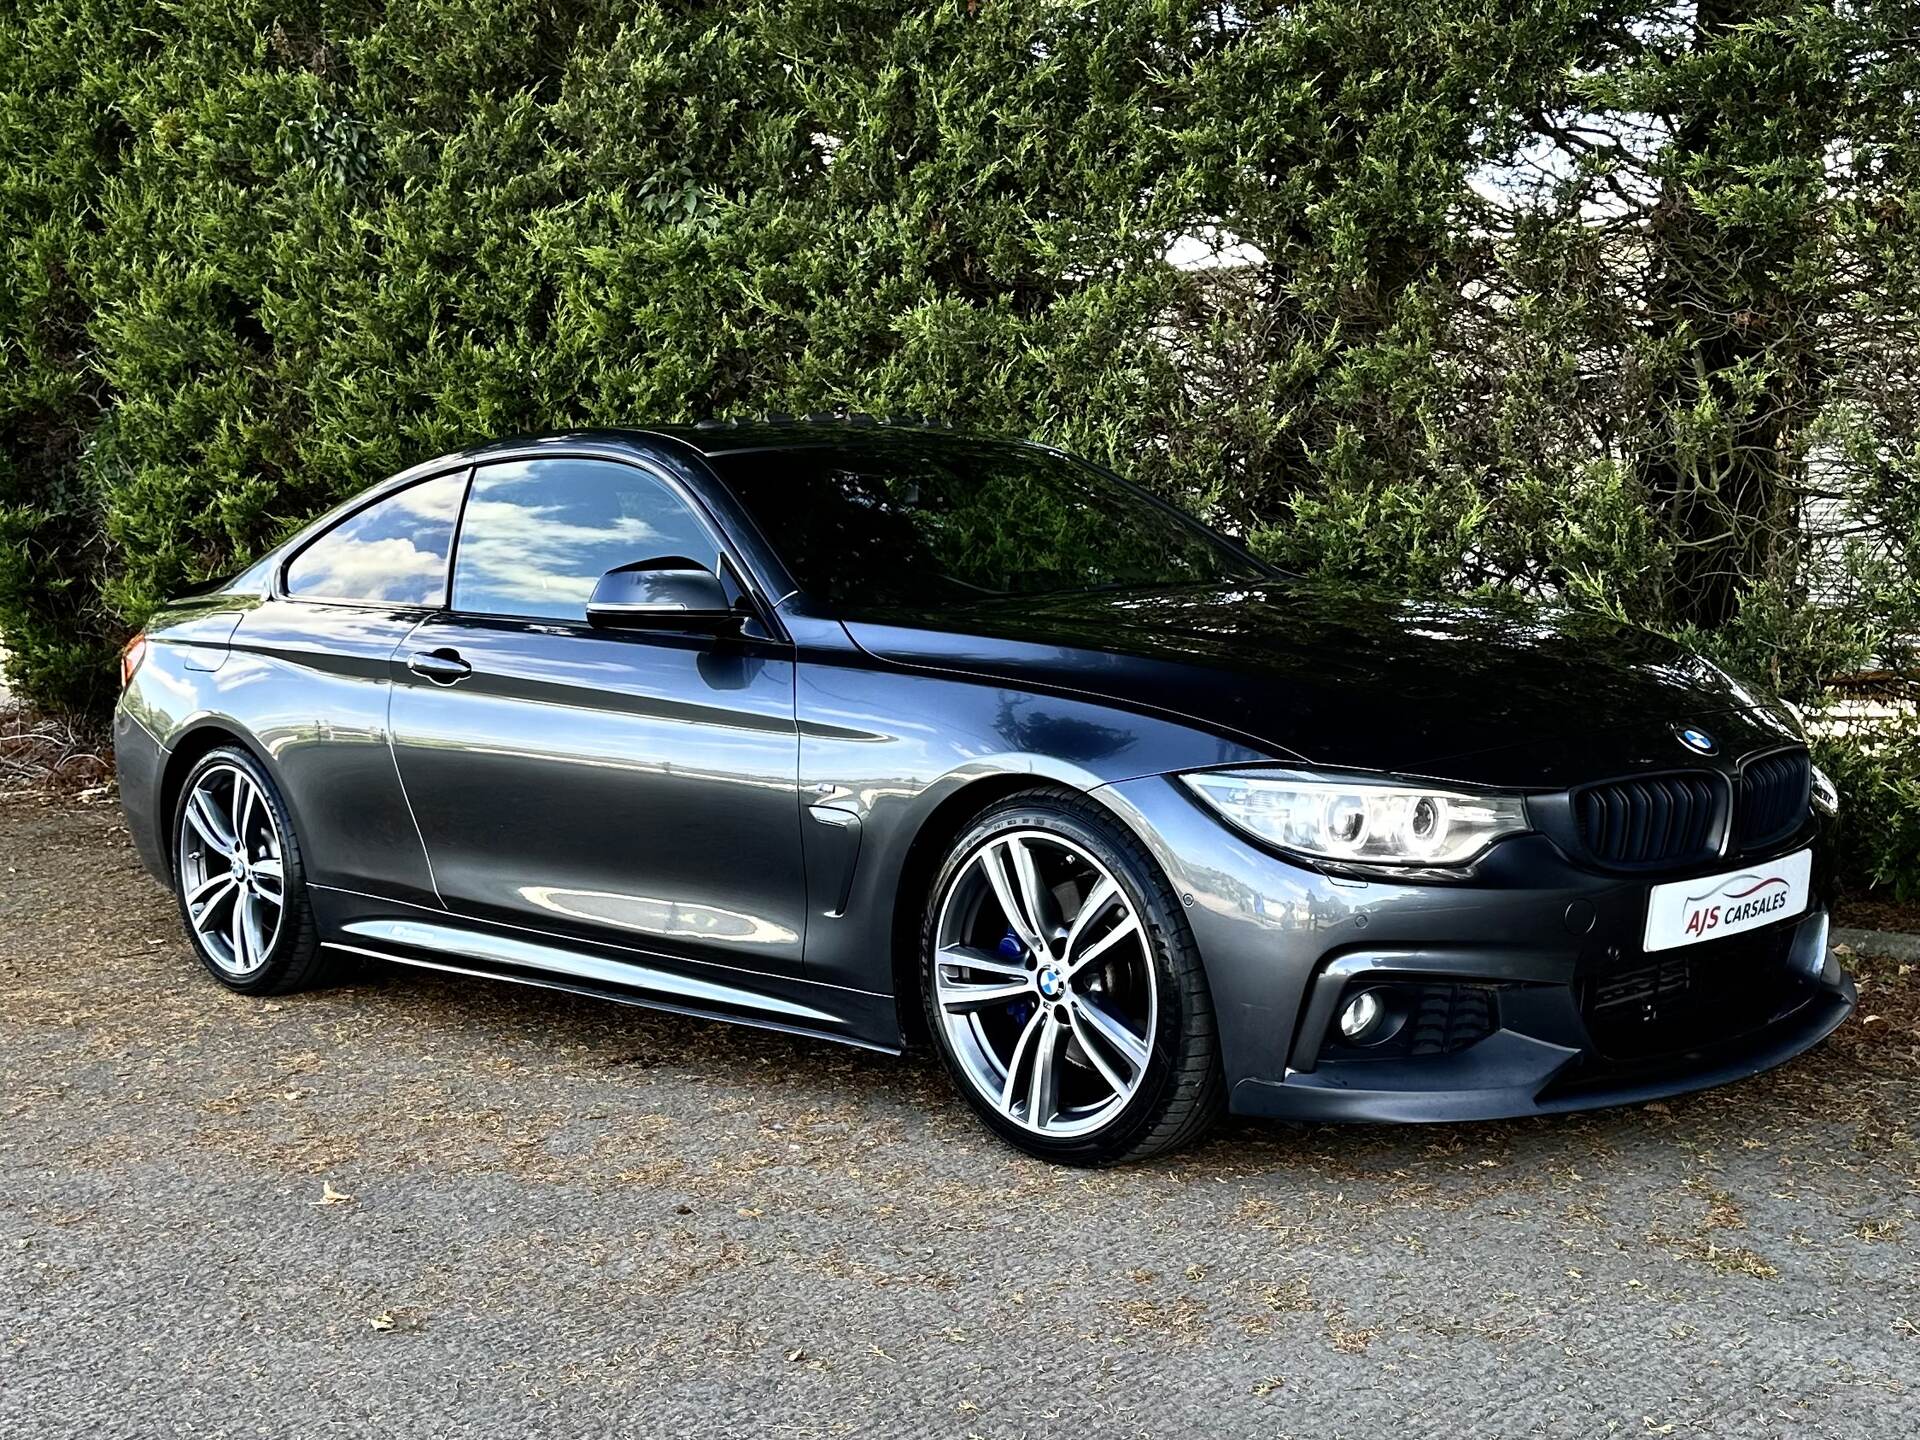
point(669, 592)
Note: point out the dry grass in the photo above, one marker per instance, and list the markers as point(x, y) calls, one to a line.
point(1876, 910)
point(52, 752)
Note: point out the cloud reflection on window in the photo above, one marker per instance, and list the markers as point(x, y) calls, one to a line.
point(539, 534)
point(394, 552)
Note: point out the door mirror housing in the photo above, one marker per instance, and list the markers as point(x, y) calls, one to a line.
point(669, 592)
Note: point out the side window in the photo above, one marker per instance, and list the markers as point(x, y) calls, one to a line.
point(539, 534)
point(394, 552)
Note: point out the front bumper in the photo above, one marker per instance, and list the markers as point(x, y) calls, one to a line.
point(1545, 1000)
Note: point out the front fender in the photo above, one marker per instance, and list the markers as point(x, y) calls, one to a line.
point(910, 756)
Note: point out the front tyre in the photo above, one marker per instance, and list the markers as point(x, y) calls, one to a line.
point(239, 879)
point(1063, 989)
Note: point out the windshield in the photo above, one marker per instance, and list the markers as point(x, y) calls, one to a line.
point(915, 519)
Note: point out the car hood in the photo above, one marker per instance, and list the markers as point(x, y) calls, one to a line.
point(1344, 678)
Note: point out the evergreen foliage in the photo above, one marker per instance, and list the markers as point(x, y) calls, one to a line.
point(1617, 304)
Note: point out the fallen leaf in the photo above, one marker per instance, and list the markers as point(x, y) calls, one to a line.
point(331, 1196)
point(382, 1321)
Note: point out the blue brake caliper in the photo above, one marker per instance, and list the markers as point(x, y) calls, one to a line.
point(1014, 953)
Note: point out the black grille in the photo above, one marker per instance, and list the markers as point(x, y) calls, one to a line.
point(1657, 820)
point(1687, 998)
point(1643, 989)
point(1775, 791)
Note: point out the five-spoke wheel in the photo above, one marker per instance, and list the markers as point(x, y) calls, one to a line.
point(1062, 987)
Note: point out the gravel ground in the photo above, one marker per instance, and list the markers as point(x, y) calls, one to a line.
point(424, 1207)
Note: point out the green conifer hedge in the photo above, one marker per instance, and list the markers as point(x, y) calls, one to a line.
point(1610, 304)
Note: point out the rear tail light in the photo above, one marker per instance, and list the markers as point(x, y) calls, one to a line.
point(131, 654)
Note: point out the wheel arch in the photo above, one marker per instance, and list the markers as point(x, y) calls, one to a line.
point(934, 836)
point(198, 741)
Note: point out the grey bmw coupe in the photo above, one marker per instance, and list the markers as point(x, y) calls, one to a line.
point(890, 735)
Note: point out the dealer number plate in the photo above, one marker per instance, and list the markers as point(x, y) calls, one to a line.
point(1689, 911)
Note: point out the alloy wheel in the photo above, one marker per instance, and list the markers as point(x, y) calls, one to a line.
point(1044, 984)
point(232, 876)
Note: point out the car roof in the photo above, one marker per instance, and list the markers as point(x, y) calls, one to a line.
point(720, 437)
point(726, 437)
point(709, 439)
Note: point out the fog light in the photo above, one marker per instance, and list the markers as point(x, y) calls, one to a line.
point(1361, 1017)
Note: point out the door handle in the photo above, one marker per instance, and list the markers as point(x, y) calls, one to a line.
point(442, 667)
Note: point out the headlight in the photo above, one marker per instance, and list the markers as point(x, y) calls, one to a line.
point(1826, 795)
point(1385, 823)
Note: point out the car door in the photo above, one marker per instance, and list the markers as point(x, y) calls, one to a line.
point(310, 671)
point(634, 788)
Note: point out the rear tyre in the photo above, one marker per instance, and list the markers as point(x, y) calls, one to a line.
point(239, 879)
point(1063, 989)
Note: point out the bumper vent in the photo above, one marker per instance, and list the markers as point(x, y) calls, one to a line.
point(1775, 792)
point(1658, 820)
point(1642, 991)
point(1699, 996)
point(1446, 1018)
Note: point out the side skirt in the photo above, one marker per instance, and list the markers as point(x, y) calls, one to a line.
point(788, 1004)
point(603, 992)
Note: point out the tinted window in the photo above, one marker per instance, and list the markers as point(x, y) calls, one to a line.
point(917, 519)
point(394, 552)
point(539, 534)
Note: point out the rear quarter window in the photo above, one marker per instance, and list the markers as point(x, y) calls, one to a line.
point(392, 552)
